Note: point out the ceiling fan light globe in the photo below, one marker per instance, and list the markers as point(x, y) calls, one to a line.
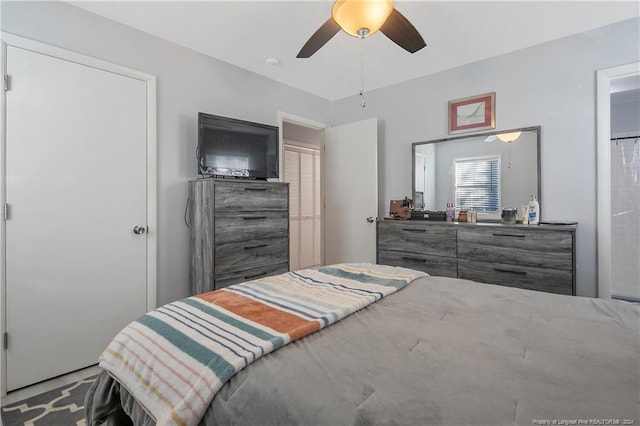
point(355, 17)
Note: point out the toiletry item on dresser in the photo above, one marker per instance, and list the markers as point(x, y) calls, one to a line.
point(462, 216)
point(534, 210)
point(524, 214)
point(451, 212)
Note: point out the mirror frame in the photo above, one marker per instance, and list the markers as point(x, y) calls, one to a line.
point(537, 129)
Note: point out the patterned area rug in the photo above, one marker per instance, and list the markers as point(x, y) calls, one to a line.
point(63, 406)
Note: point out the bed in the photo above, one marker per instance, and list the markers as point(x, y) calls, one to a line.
point(438, 351)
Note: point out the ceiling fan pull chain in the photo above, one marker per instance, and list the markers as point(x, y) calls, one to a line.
point(363, 103)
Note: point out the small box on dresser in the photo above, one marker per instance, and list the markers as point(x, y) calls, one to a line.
point(239, 231)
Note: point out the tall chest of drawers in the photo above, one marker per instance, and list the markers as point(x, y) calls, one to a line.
point(239, 231)
point(532, 257)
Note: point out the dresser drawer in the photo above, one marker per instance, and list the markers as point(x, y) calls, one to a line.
point(420, 237)
point(244, 226)
point(527, 277)
point(538, 248)
point(225, 280)
point(431, 264)
point(247, 196)
point(238, 256)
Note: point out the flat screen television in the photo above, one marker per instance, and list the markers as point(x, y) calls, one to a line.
point(228, 147)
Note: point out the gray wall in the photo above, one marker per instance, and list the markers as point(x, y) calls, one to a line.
point(625, 112)
point(188, 82)
point(552, 85)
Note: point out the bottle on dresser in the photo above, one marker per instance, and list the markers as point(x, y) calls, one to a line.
point(534, 210)
point(451, 212)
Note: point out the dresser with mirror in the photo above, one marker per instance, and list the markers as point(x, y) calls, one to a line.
point(484, 173)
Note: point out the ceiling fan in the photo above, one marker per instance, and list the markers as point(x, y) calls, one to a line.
point(361, 18)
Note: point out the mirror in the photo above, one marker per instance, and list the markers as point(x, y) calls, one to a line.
point(480, 172)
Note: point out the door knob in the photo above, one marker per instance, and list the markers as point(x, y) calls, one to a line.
point(139, 229)
point(370, 219)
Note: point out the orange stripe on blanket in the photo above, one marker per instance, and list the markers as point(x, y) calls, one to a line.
point(253, 310)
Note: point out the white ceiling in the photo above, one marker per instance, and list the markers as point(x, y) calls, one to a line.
point(246, 33)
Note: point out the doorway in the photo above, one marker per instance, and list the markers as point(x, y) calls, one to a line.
point(349, 188)
point(78, 189)
point(618, 182)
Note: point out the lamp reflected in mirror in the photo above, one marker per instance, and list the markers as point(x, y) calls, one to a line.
point(503, 137)
point(509, 137)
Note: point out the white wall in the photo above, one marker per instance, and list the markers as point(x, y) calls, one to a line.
point(188, 82)
point(551, 85)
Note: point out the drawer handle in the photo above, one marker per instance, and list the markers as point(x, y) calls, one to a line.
point(414, 230)
point(510, 235)
point(256, 189)
point(254, 217)
point(248, 277)
point(509, 271)
point(413, 259)
point(255, 247)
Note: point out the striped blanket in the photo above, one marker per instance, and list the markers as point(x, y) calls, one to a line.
point(174, 359)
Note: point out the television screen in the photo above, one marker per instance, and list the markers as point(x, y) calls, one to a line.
point(228, 147)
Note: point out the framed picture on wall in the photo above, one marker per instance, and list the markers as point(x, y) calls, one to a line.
point(472, 113)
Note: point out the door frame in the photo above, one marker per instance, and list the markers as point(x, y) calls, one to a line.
point(603, 169)
point(316, 125)
point(8, 39)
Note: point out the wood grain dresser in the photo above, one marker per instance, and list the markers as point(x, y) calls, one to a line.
point(239, 231)
point(535, 257)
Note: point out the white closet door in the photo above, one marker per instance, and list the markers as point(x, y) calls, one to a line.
point(302, 172)
point(317, 206)
point(76, 170)
point(306, 209)
point(292, 176)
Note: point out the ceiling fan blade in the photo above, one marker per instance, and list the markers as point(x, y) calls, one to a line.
point(402, 32)
point(319, 38)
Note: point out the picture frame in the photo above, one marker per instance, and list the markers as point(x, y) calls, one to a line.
point(472, 113)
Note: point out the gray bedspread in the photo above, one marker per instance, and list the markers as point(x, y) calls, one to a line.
point(442, 351)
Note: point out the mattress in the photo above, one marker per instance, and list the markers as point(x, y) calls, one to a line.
point(441, 351)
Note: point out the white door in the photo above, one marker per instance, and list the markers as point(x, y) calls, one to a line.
point(351, 192)
point(76, 182)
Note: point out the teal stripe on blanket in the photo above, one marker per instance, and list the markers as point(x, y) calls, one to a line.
point(364, 278)
point(216, 363)
point(277, 341)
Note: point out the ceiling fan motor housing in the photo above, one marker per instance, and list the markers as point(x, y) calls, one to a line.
point(361, 18)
